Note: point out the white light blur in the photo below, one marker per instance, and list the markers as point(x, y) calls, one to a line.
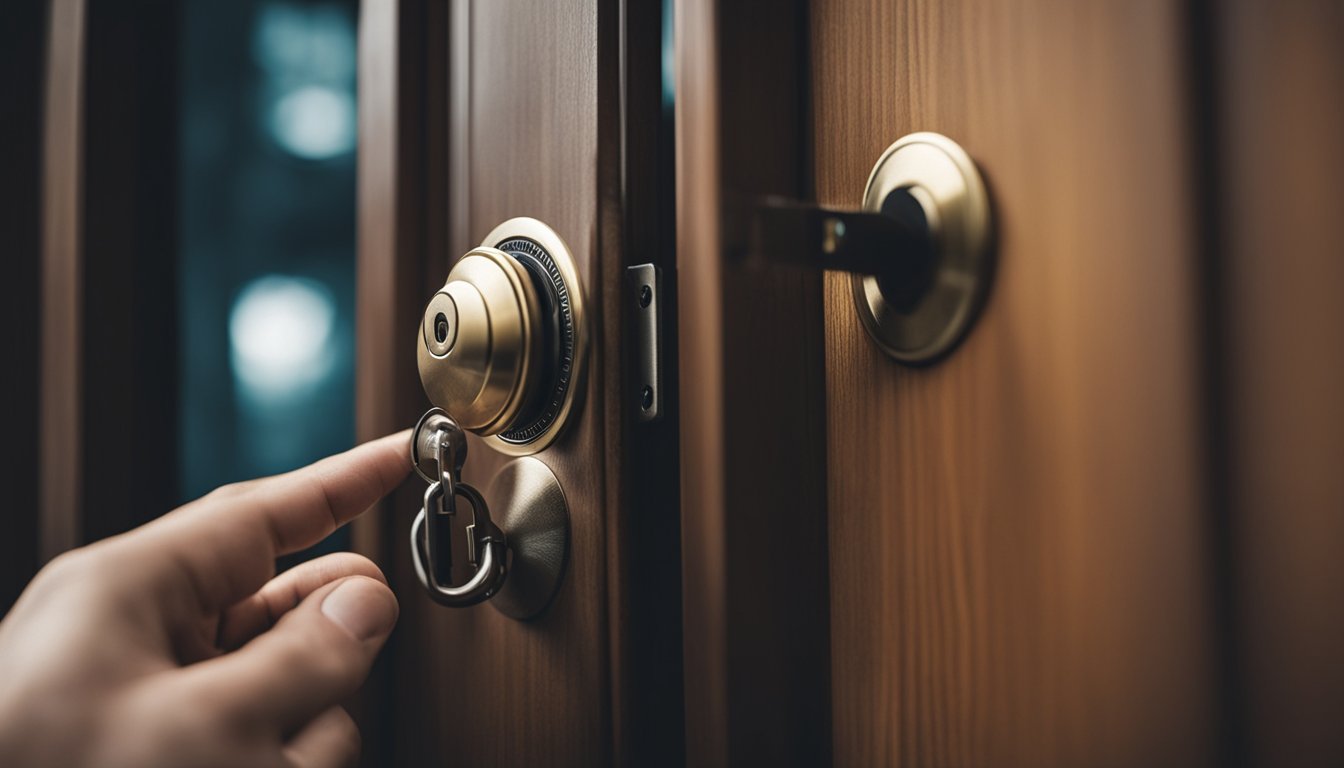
point(307, 52)
point(280, 337)
point(314, 122)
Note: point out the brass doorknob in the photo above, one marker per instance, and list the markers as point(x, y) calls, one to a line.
point(502, 343)
point(919, 252)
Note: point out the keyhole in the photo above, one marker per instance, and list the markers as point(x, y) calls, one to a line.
point(441, 328)
point(645, 296)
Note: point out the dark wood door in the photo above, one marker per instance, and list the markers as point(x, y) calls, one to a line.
point(474, 113)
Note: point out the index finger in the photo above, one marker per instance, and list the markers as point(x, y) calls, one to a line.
point(223, 546)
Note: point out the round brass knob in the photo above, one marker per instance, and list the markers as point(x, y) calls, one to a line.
point(502, 342)
point(482, 326)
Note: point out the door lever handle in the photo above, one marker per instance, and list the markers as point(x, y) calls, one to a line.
point(785, 231)
point(919, 250)
point(893, 245)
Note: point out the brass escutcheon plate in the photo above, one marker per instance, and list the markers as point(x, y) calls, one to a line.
point(937, 173)
point(539, 248)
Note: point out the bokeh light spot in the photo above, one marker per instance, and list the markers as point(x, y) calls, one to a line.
point(280, 336)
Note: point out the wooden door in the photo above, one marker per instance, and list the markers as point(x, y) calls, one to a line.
point(473, 113)
point(1278, 130)
point(1098, 533)
point(1020, 554)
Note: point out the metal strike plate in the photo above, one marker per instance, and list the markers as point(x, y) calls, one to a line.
point(642, 285)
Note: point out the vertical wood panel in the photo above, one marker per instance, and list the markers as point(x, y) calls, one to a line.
point(400, 46)
point(523, 136)
point(1019, 563)
point(62, 294)
point(532, 134)
point(1281, 69)
point(705, 613)
point(472, 113)
point(108, 386)
point(753, 453)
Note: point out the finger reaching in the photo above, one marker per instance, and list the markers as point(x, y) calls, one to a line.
point(317, 655)
point(222, 548)
point(255, 614)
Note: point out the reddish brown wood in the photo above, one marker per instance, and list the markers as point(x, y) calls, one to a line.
point(1280, 76)
point(394, 199)
point(398, 52)
point(473, 113)
point(532, 148)
point(753, 452)
point(108, 405)
point(62, 295)
point(701, 384)
point(1021, 567)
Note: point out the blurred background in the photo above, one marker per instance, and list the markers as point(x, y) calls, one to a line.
point(266, 238)
point(211, 299)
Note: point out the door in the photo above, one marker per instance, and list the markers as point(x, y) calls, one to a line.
point(1019, 534)
point(1095, 533)
point(474, 113)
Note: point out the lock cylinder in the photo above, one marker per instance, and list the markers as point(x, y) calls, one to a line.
point(481, 342)
point(502, 343)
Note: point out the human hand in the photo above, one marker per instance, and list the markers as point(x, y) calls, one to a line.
point(176, 645)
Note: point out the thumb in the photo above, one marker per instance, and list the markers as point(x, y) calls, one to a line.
point(316, 655)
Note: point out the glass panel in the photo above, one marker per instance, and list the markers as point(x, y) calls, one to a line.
point(266, 285)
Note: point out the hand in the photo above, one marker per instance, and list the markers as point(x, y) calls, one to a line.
point(173, 645)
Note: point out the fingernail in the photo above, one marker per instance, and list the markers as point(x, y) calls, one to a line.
point(362, 607)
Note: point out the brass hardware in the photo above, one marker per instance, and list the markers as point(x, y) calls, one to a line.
point(928, 176)
point(517, 564)
point(502, 344)
point(918, 251)
point(536, 521)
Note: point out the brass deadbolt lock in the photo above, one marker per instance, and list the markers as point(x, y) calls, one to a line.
point(502, 344)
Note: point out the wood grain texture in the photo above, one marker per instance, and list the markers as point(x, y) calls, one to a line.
point(108, 356)
point(753, 453)
point(532, 124)
point(1281, 70)
point(1019, 568)
point(402, 60)
point(523, 138)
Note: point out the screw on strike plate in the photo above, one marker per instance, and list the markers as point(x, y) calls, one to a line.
point(643, 286)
